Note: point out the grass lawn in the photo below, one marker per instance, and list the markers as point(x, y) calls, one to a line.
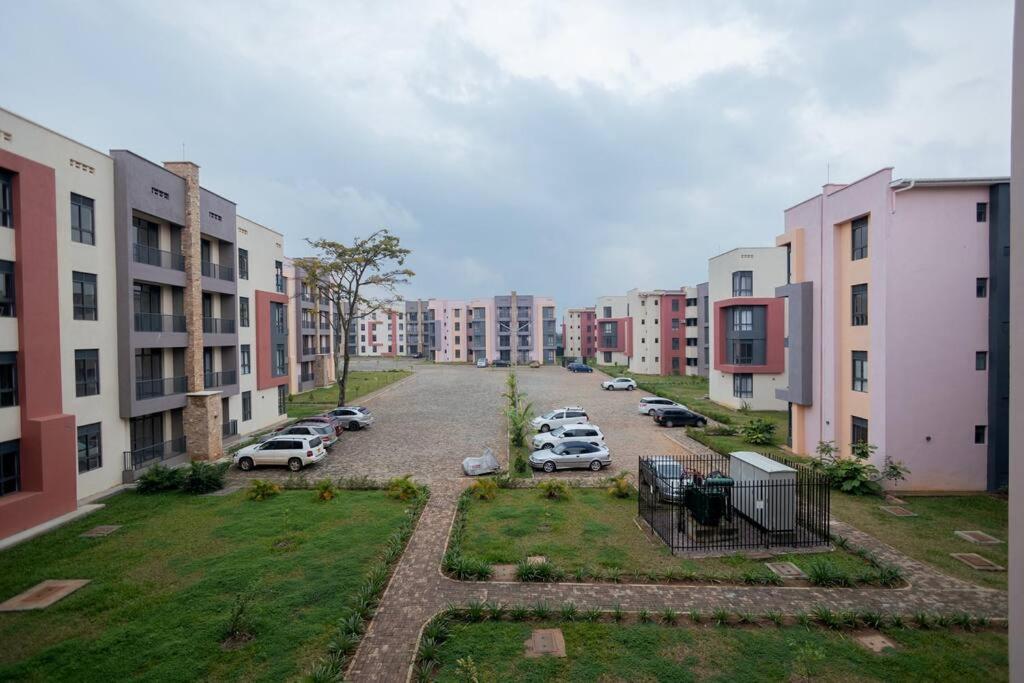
point(596, 532)
point(360, 383)
point(929, 536)
point(163, 586)
point(648, 652)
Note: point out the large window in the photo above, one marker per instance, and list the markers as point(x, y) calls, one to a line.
point(243, 311)
point(246, 360)
point(83, 228)
point(282, 399)
point(743, 386)
point(280, 361)
point(10, 471)
point(90, 451)
point(607, 312)
point(246, 406)
point(859, 238)
point(6, 200)
point(279, 276)
point(858, 430)
point(83, 290)
point(8, 379)
point(7, 307)
point(742, 319)
point(743, 283)
point(87, 372)
point(243, 263)
point(741, 352)
point(859, 305)
point(278, 317)
point(860, 370)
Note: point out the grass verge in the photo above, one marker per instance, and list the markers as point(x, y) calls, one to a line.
point(360, 383)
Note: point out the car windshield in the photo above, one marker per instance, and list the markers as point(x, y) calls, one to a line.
point(558, 450)
point(314, 442)
point(558, 431)
point(551, 414)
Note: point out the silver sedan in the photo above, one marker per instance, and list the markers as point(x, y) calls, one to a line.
point(571, 455)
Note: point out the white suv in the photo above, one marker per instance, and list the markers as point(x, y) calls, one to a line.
point(586, 432)
point(619, 383)
point(294, 450)
point(569, 415)
point(648, 404)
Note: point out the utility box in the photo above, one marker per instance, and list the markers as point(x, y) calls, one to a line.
point(765, 490)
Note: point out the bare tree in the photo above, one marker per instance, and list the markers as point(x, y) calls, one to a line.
point(358, 280)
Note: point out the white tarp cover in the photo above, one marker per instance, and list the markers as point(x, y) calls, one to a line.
point(485, 464)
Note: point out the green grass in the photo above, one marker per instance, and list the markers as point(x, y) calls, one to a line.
point(596, 532)
point(929, 536)
point(609, 652)
point(162, 587)
point(360, 383)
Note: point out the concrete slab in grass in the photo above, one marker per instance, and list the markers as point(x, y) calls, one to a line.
point(42, 595)
point(545, 641)
point(876, 642)
point(979, 537)
point(898, 511)
point(101, 530)
point(786, 570)
point(503, 572)
point(536, 559)
point(976, 561)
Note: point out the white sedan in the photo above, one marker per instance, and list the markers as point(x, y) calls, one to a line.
point(589, 433)
point(619, 383)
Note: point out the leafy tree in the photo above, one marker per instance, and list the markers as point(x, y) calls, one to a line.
point(359, 280)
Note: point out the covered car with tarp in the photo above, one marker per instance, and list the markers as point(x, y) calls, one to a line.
point(484, 464)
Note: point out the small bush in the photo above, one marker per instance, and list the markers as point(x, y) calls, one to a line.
point(568, 612)
point(484, 489)
point(696, 616)
point(617, 614)
point(404, 488)
point(466, 568)
point(721, 616)
point(774, 617)
point(619, 486)
point(669, 616)
point(591, 615)
point(325, 490)
point(644, 616)
point(476, 610)
point(540, 571)
point(825, 573)
point(261, 489)
point(554, 489)
point(541, 612)
point(518, 613)
point(720, 430)
point(204, 477)
point(759, 432)
point(159, 478)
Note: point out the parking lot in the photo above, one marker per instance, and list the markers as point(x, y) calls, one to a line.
point(425, 425)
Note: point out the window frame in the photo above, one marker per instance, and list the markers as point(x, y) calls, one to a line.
point(83, 359)
point(8, 291)
point(859, 369)
point(859, 228)
point(7, 217)
point(9, 359)
point(981, 212)
point(93, 447)
point(859, 318)
point(981, 287)
point(243, 311)
point(246, 406)
point(78, 204)
point(7, 448)
point(245, 359)
point(981, 361)
point(243, 263)
point(80, 282)
point(743, 385)
point(743, 283)
point(859, 425)
point(980, 435)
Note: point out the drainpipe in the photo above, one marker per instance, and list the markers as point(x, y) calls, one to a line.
point(901, 189)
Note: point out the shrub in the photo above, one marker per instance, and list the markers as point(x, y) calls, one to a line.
point(325, 490)
point(466, 568)
point(720, 430)
point(759, 432)
point(537, 571)
point(261, 489)
point(669, 616)
point(825, 573)
point(484, 489)
point(476, 610)
point(554, 489)
point(569, 612)
point(541, 612)
point(404, 488)
point(519, 417)
point(204, 477)
point(239, 625)
point(159, 478)
point(620, 486)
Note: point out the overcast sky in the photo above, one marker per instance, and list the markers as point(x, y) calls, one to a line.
point(569, 149)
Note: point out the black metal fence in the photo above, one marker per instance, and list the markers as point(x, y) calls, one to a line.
point(694, 503)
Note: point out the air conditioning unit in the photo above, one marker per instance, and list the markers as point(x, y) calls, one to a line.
point(765, 490)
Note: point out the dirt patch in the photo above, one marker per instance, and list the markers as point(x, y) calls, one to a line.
point(236, 641)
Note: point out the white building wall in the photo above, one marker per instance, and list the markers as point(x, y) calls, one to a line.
point(645, 309)
point(618, 307)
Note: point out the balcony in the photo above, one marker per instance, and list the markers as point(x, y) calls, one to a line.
point(306, 297)
point(306, 377)
point(218, 326)
point(325, 350)
point(308, 350)
point(218, 271)
point(229, 428)
point(325, 326)
point(146, 455)
point(159, 322)
point(157, 387)
point(151, 256)
point(224, 378)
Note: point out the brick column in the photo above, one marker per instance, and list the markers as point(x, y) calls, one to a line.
point(202, 424)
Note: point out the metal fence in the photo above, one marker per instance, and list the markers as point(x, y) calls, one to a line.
point(694, 504)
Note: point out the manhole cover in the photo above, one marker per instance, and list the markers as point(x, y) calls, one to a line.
point(786, 570)
point(42, 595)
point(536, 559)
point(876, 642)
point(503, 572)
point(898, 511)
point(976, 561)
point(545, 641)
point(101, 530)
point(979, 537)
point(894, 500)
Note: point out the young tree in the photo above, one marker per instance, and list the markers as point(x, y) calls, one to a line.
point(358, 279)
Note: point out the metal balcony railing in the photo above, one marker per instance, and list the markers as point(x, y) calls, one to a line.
point(308, 350)
point(325, 350)
point(306, 377)
point(219, 271)
point(218, 326)
point(223, 378)
point(144, 455)
point(306, 297)
point(325, 326)
point(152, 256)
point(159, 322)
point(308, 324)
point(156, 387)
point(229, 428)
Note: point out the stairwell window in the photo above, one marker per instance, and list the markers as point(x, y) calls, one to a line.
point(981, 287)
point(83, 228)
point(859, 237)
point(83, 288)
point(8, 379)
point(90, 448)
point(10, 467)
point(246, 362)
point(6, 200)
point(743, 386)
point(860, 371)
point(858, 430)
point(7, 307)
point(859, 305)
point(246, 406)
point(87, 372)
point(243, 263)
point(743, 283)
point(981, 360)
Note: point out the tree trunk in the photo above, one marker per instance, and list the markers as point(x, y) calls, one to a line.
point(344, 376)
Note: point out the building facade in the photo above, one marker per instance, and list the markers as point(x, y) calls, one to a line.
point(875, 267)
point(579, 334)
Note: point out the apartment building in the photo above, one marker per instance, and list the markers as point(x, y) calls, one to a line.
point(579, 333)
point(897, 301)
point(311, 330)
point(746, 332)
point(614, 331)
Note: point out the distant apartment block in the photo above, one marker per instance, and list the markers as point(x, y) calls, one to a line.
point(897, 303)
point(579, 333)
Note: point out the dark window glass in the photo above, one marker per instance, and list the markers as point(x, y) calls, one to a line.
point(979, 433)
point(90, 451)
point(243, 263)
point(607, 311)
point(743, 283)
point(859, 295)
point(981, 287)
point(246, 406)
point(87, 372)
point(859, 235)
point(279, 276)
point(607, 357)
point(8, 379)
point(243, 311)
point(860, 370)
point(7, 305)
point(6, 200)
point(280, 361)
point(981, 360)
point(743, 319)
point(83, 289)
point(246, 359)
point(82, 228)
point(10, 467)
point(675, 304)
point(675, 343)
point(981, 212)
point(743, 386)
point(858, 430)
point(282, 399)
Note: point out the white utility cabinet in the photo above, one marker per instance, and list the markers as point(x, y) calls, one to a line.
point(765, 490)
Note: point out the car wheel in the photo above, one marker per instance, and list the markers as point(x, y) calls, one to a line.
point(548, 446)
point(651, 412)
point(353, 426)
point(245, 464)
point(545, 428)
point(294, 464)
point(630, 388)
point(595, 465)
point(668, 423)
point(549, 466)
point(702, 423)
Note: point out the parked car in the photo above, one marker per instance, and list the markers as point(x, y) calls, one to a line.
point(648, 404)
point(302, 428)
point(558, 417)
point(352, 418)
point(484, 464)
point(571, 455)
point(534, 364)
point(678, 417)
point(334, 422)
point(481, 362)
point(500, 363)
point(669, 477)
point(619, 383)
point(579, 367)
point(585, 432)
point(293, 450)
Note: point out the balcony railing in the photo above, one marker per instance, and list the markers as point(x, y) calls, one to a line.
point(160, 386)
point(224, 378)
point(306, 297)
point(306, 377)
point(308, 350)
point(325, 326)
point(229, 428)
point(218, 326)
point(325, 350)
point(307, 324)
point(159, 322)
point(144, 455)
point(152, 256)
point(218, 271)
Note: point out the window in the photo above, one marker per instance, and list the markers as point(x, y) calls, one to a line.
point(278, 318)
point(979, 433)
point(981, 212)
point(243, 311)
point(743, 386)
point(82, 227)
point(246, 406)
point(607, 312)
point(246, 360)
point(858, 430)
point(87, 372)
point(741, 352)
point(7, 307)
point(458, 353)
point(675, 363)
point(280, 361)
point(859, 305)
point(859, 237)
point(8, 379)
point(860, 371)
point(279, 276)
point(981, 287)
point(675, 304)
point(691, 341)
point(90, 456)
point(456, 327)
point(675, 343)
point(83, 295)
point(743, 319)
point(981, 360)
point(10, 476)
point(675, 324)
point(243, 263)
point(743, 283)
point(282, 399)
point(691, 301)
point(607, 356)
point(6, 201)
point(691, 362)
